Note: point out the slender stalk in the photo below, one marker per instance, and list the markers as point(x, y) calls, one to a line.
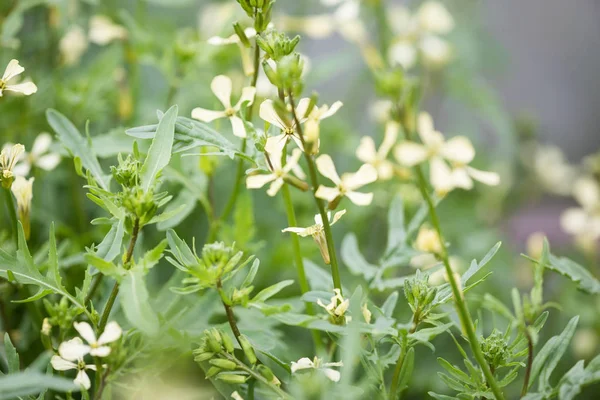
point(115, 290)
point(396, 378)
point(335, 271)
point(95, 285)
point(459, 302)
point(230, 315)
point(529, 363)
point(257, 376)
point(12, 212)
point(291, 216)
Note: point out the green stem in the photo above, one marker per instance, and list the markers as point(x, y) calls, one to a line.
point(12, 212)
point(382, 25)
point(115, 290)
point(396, 378)
point(529, 363)
point(312, 169)
point(291, 216)
point(229, 313)
point(257, 376)
point(459, 301)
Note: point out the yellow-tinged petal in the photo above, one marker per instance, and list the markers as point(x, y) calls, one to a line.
point(326, 167)
point(327, 193)
point(366, 174)
point(458, 149)
point(410, 153)
point(221, 86)
point(360, 199)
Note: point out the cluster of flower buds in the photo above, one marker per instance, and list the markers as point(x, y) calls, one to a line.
point(276, 45)
point(259, 10)
point(420, 295)
point(140, 204)
point(127, 172)
point(61, 314)
point(216, 264)
point(286, 73)
point(495, 350)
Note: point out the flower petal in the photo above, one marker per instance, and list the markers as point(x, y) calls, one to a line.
point(237, 125)
point(82, 379)
point(275, 144)
point(327, 168)
point(366, 174)
point(302, 107)
point(292, 161)
point(41, 144)
point(360, 199)
point(86, 331)
point(461, 179)
point(389, 139)
point(331, 110)
point(332, 374)
point(12, 69)
point(486, 177)
point(112, 332)
point(26, 88)
point(248, 94)
point(574, 221)
point(205, 115)
point(587, 192)
point(48, 162)
point(410, 153)
point(440, 176)
point(366, 151)
point(267, 112)
point(337, 216)
point(101, 351)
point(459, 149)
point(275, 186)
point(221, 86)
point(60, 364)
point(327, 193)
point(303, 363)
point(73, 349)
point(22, 168)
point(297, 230)
point(258, 181)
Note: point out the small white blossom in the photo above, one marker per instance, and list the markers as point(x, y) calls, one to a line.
point(267, 112)
point(278, 172)
point(71, 357)
point(222, 87)
point(73, 45)
point(313, 123)
point(347, 184)
point(317, 364)
point(9, 156)
point(22, 189)
point(40, 156)
point(428, 241)
point(584, 222)
point(317, 232)
point(366, 313)
point(103, 30)
point(434, 148)
point(552, 169)
point(12, 70)
point(98, 347)
point(337, 306)
point(367, 153)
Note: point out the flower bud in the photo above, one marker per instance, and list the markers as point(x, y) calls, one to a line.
point(248, 350)
point(223, 364)
point(212, 371)
point(235, 379)
point(200, 357)
point(227, 342)
point(241, 34)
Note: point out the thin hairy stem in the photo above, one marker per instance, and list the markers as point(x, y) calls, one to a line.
point(529, 363)
point(115, 290)
point(230, 315)
point(12, 212)
point(312, 169)
point(396, 377)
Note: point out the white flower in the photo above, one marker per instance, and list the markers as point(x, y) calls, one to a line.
point(317, 232)
point(367, 153)
point(433, 17)
point(9, 156)
point(267, 112)
point(435, 50)
point(22, 189)
point(552, 169)
point(222, 87)
point(313, 123)
point(40, 156)
point(458, 151)
point(337, 306)
point(380, 110)
point(71, 357)
point(97, 347)
point(278, 173)
point(428, 241)
point(366, 313)
point(103, 30)
point(73, 45)
point(584, 222)
point(585, 342)
point(317, 364)
point(13, 69)
point(247, 62)
point(347, 184)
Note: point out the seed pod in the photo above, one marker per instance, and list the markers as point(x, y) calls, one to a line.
point(266, 372)
point(248, 350)
point(224, 364)
point(227, 342)
point(232, 378)
point(203, 356)
point(212, 371)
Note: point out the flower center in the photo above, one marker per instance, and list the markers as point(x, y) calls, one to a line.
point(230, 112)
point(288, 131)
point(81, 365)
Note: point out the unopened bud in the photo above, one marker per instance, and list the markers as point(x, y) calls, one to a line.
point(248, 350)
point(235, 379)
point(223, 364)
point(200, 357)
point(227, 342)
point(212, 371)
point(241, 34)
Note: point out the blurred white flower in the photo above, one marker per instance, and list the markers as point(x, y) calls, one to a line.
point(434, 148)
point(72, 45)
point(535, 244)
point(12, 70)
point(9, 156)
point(428, 241)
point(584, 222)
point(366, 313)
point(103, 30)
point(337, 306)
point(347, 184)
point(585, 342)
point(552, 169)
point(317, 232)
point(313, 123)
point(98, 347)
point(433, 17)
point(317, 364)
point(247, 63)
point(222, 87)
point(267, 112)
point(71, 357)
point(380, 110)
point(22, 189)
point(367, 153)
point(278, 172)
point(214, 16)
point(40, 156)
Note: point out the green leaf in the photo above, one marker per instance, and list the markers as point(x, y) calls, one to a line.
point(53, 275)
point(396, 231)
point(271, 291)
point(29, 383)
point(135, 302)
point(354, 260)
point(152, 257)
point(549, 356)
point(427, 334)
point(577, 377)
point(475, 267)
point(105, 267)
point(110, 247)
point(186, 199)
point(407, 369)
point(582, 277)
point(251, 274)
point(160, 150)
point(12, 357)
point(79, 147)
